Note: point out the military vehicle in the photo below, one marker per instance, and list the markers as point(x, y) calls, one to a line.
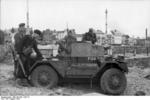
point(86, 61)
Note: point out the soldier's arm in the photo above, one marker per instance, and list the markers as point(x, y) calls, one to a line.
point(95, 37)
point(36, 49)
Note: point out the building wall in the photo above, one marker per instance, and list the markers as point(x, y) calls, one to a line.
point(117, 40)
point(101, 38)
point(60, 35)
point(79, 37)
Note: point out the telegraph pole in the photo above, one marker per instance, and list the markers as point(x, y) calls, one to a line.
point(0, 15)
point(106, 12)
point(27, 14)
point(146, 43)
point(67, 27)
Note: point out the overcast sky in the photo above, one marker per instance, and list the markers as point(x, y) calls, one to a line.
point(130, 17)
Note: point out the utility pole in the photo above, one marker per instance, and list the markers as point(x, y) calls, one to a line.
point(67, 27)
point(146, 41)
point(27, 14)
point(0, 15)
point(106, 12)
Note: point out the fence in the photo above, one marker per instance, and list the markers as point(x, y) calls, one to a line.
point(131, 50)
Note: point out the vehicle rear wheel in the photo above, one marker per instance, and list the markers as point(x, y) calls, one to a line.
point(113, 81)
point(44, 76)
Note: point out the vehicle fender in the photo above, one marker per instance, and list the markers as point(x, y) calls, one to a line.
point(112, 64)
point(57, 66)
point(121, 65)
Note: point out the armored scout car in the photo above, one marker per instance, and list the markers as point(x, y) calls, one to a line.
point(86, 61)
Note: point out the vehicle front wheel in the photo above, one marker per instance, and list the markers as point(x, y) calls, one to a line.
point(44, 76)
point(113, 81)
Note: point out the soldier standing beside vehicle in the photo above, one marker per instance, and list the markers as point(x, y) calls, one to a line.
point(18, 37)
point(30, 50)
point(90, 36)
point(17, 45)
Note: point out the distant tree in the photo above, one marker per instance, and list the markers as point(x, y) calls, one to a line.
point(2, 37)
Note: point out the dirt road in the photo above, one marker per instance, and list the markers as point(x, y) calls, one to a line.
point(8, 86)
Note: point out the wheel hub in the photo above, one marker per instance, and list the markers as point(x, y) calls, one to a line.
point(44, 79)
point(115, 81)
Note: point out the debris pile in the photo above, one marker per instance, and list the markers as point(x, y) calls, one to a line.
point(137, 81)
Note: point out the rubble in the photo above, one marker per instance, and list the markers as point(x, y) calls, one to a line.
point(137, 82)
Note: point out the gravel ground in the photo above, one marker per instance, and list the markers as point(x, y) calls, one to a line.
point(137, 81)
point(8, 86)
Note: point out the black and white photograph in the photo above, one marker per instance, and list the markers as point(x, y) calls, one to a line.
point(74, 48)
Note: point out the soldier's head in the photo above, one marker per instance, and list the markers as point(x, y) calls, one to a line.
point(22, 28)
point(91, 30)
point(69, 33)
point(36, 33)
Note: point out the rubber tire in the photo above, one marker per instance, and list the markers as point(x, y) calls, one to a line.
point(105, 79)
point(52, 73)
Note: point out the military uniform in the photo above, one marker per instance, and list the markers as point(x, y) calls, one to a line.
point(69, 40)
point(18, 38)
point(29, 41)
point(90, 36)
point(17, 49)
point(29, 45)
point(65, 45)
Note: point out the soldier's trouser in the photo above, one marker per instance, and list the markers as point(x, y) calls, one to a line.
point(28, 63)
point(18, 72)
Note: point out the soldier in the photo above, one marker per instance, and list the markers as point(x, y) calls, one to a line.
point(18, 37)
point(38, 36)
point(90, 36)
point(29, 49)
point(65, 45)
point(69, 39)
point(17, 51)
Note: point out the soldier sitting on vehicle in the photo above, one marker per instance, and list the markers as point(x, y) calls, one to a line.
point(65, 44)
point(90, 36)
